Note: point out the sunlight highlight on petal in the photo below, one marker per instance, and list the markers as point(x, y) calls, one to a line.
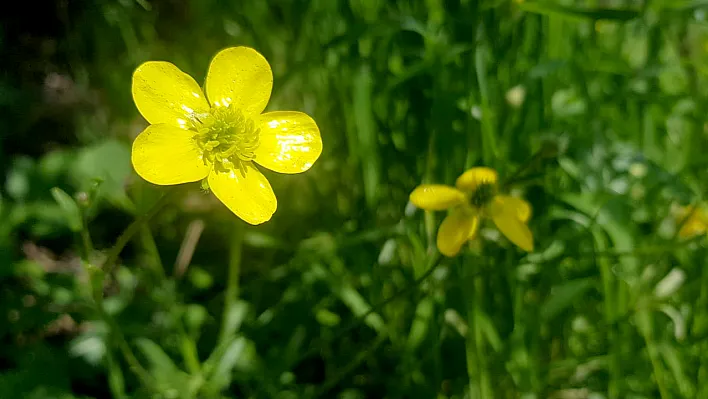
point(247, 194)
point(290, 142)
point(239, 77)
point(165, 94)
point(472, 178)
point(436, 197)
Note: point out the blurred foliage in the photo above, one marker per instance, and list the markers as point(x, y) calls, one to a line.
point(591, 109)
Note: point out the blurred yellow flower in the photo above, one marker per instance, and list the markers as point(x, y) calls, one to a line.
point(474, 197)
point(218, 137)
point(694, 219)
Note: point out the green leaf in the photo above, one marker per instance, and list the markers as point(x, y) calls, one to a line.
point(234, 318)
point(366, 134)
point(108, 161)
point(158, 359)
point(577, 13)
point(235, 353)
point(421, 323)
point(675, 361)
point(564, 296)
point(69, 208)
point(223, 367)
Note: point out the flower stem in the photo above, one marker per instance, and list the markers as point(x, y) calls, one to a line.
point(134, 228)
point(645, 327)
point(232, 284)
point(480, 385)
point(116, 381)
point(96, 279)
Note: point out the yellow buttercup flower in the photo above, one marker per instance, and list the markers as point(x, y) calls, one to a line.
point(695, 221)
point(474, 197)
point(218, 137)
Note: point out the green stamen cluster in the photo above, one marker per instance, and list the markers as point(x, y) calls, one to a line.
point(227, 139)
point(483, 194)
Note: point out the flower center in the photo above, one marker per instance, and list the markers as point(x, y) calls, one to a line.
point(227, 139)
point(483, 194)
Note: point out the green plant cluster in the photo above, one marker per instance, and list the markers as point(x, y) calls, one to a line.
point(592, 110)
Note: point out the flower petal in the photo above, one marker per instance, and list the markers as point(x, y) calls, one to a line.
point(455, 230)
point(472, 178)
point(693, 221)
point(522, 207)
point(436, 197)
point(165, 154)
point(505, 214)
point(246, 194)
point(165, 94)
point(290, 141)
point(239, 77)
point(691, 228)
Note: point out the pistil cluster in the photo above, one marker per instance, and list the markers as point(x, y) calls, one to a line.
point(227, 138)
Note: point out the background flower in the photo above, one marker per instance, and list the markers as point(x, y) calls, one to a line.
point(474, 198)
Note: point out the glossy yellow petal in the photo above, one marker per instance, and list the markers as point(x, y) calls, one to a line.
point(165, 94)
point(505, 214)
point(472, 178)
point(522, 207)
point(239, 77)
point(165, 154)
point(455, 230)
point(436, 197)
point(290, 141)
point(246, 194)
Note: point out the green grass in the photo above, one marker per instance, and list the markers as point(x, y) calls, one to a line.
point(592, 110)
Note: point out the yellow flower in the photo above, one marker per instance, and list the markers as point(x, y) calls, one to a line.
point(218, 137)
point(474, 197)
point(694, 219)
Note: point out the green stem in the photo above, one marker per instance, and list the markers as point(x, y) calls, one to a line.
point(148, 242)
point(133, 228)
point(232, 284)
point(608, 290)
point(431, 268)
point(86, 242)
point(480, 385)
point(645, 324)
point(489, 141)
point(116, 383)
point(190, 354)
point(133, 362)
point(96, 279)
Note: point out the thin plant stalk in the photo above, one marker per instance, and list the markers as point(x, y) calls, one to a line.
point(480, 386)
point(232, 284)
